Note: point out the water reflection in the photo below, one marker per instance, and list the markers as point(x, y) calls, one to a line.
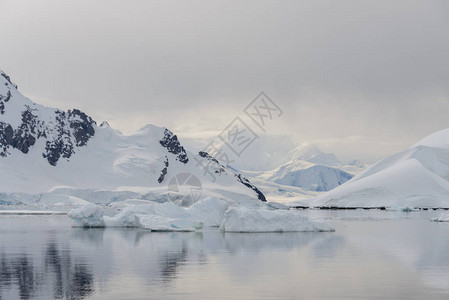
point(72, 281)
point(18, 271)
point(57, 273)
point(171, 261)
point(51, 260)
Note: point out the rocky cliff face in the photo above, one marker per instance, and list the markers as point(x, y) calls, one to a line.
point(23, 123)
point(171, 142)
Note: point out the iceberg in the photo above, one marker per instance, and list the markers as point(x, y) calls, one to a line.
point(89, 215)
point(441, 218)
point(211, 212)
point(242, 219)
point(154, 216)
point(160, 223)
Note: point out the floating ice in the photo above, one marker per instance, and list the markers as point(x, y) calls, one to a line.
point(207, 212)
point(154, 216)
point(241, 219)
point(160, 223)
point(441, 218)
point(90, 215)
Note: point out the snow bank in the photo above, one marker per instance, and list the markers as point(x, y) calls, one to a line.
point(441, 218)
point(90, 215)
point(242, 219)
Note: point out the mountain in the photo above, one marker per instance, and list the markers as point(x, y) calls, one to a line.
point(267, 152)
point(312, 170)
point(307, 175)
point(416, 178)
point(46, 150)
point(314, 155)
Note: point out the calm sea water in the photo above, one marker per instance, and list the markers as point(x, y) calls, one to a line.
point(372, 255)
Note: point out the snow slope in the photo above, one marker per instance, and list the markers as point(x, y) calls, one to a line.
point(47, 153)
point(308, 175)
point(417, 177)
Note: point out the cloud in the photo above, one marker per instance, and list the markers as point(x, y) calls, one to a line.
point(375, 69)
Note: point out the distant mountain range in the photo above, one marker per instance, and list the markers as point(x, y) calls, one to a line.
point(417, 177)
point(313, 170)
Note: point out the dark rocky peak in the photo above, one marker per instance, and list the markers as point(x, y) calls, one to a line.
point(164, 170)
point(218, 168)
point(104, 124)
point(82, 125)
point(4, 99)
point(171, 143)
point(8, 79)
point(249, 185)
point(23, 137)
point(72, 129)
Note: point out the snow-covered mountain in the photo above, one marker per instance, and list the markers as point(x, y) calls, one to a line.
point(417, 177)
point(47, 150)
point(312, 170)
point(314, 155)
point(268, 151)
point(310, 176)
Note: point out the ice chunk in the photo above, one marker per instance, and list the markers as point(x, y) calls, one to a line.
point(161, 223)
point(210, 211)
point(125, 218)
point(90, 215)
point(441, 218)
point(241, 219)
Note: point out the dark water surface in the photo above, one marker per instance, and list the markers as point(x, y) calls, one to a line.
point(372, 255)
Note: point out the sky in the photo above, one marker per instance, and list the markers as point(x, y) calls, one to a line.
point(363, 79)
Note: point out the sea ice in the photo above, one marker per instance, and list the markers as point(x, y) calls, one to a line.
point(90, 215)
point(153, 215)
point(161, 223)
point(441, 218)
point(206, 212)
point(242, 219)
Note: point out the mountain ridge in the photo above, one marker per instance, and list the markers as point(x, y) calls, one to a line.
point(42, 148)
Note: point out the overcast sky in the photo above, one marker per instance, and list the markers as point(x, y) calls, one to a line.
point(363, 79)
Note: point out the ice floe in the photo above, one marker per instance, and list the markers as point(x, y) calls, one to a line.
point(89, 215)
point(208, 212)
point(441, 218)
point(242, 219)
